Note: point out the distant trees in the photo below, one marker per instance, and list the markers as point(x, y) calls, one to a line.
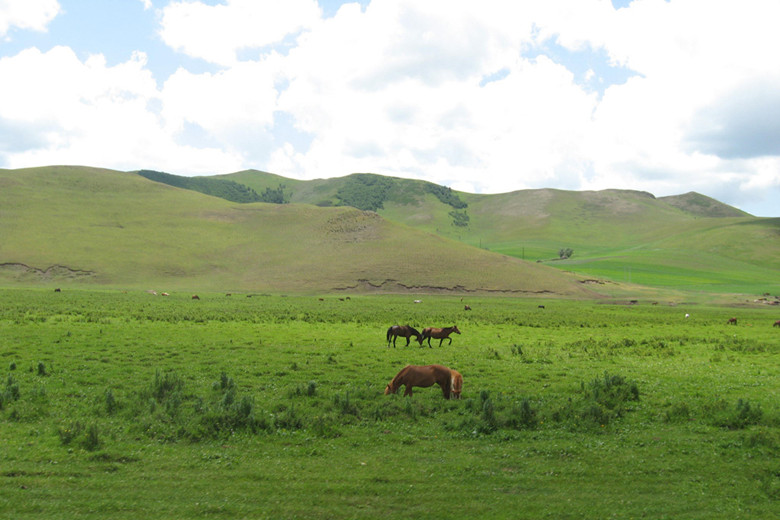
point(364, 191)
point(216, 187)
point(563, 254)
point(274, 195)
point(459, 218)
point(445, 195)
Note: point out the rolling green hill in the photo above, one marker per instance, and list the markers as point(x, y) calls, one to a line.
point(689, 242)
point(91, 226)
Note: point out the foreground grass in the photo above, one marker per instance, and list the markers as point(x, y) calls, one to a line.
point(125, 405)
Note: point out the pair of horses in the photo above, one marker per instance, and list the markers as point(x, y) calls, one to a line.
point(407, 332)
point(449, 380)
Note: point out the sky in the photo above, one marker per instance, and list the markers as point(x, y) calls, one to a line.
point(488, 96)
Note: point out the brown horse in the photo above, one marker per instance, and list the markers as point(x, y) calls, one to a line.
point(457, 383)
point(404, 331)
point(440, 334)
point(423, 376)
point(776, 324)
point(732, 321)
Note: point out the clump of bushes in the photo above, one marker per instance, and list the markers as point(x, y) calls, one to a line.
point(600, 402)
point(737, 417)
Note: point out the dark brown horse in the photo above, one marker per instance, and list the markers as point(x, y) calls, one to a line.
point(457, 383)
point(404, 331)
point(732, 321)
point(423, 376)
point(776, 324)
point(440, 334)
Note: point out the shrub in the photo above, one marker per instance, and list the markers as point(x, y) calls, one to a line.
point(678, 412)
point(522, 417)
point(736, 418)
point(344, 406)
point(70, 432)
point(111, 405)
point(10, 392)
point(166, 385)
point(91, 441)
point(600, 402)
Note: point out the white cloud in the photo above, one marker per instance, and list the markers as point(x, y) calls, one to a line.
point(27, 14)
point(217, 33)
point(96, 115)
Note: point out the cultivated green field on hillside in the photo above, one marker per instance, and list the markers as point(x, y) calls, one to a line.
point(128, 405)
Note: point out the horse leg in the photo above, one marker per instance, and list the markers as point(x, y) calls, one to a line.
point(408, 390)
point(446, 389)
point(442, 339)
point(429, 342)
point(407, 340)
point(450, 343)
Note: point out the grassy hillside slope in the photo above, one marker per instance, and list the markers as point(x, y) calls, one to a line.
point(689, 241)
point(122, 230)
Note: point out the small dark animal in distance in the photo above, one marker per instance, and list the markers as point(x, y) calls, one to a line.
point(195, 297)
point(732, 321)
point(776, 324)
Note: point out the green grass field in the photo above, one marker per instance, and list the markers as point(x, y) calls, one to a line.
point(126, 405)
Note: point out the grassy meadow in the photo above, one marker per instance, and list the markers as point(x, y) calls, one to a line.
point(125, 404)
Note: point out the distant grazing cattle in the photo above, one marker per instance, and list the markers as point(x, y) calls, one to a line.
point(732, 321)
point(57, 290)
point(195, 297)
point(777, 324)
point(466, 308)
point(540, 307)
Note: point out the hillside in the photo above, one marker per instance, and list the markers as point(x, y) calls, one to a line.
point(689, 241)
point(100, 227)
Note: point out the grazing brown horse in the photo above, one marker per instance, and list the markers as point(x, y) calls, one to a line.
point(457, 383)
point(732, 321)
point(404, 331)
point(440, 334)
point(423, 376)
point(776, 324)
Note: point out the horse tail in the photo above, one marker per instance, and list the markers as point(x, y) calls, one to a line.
point(448, 386)
point(388, 333)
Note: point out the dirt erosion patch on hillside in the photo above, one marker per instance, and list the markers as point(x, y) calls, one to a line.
point(354, 226)
point(25, 273)
point(394, 286)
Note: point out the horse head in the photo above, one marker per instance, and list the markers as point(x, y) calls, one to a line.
point(455, 329)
